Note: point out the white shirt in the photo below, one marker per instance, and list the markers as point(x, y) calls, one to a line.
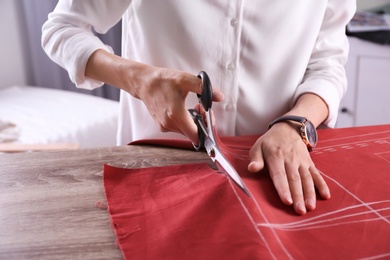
point(262, 54)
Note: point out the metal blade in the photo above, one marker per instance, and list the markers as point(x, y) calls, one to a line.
point(224, 166)
point(215, 154)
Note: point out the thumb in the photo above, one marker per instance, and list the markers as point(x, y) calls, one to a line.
point(218, 95)
point(188, 127)
point(257, 162)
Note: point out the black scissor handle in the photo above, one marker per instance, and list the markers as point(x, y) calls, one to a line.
point(198, 119)
point(206, 98)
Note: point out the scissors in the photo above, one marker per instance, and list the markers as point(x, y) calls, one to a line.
point(207, 134)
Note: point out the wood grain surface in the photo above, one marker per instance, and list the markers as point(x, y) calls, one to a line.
point(52, 203)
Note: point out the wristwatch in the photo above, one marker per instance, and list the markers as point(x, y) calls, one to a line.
point(308, 130)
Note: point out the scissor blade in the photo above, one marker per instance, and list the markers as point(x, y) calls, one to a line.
point(225, 167)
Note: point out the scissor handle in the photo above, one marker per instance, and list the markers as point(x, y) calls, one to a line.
point(206, 98)
point(202, 131)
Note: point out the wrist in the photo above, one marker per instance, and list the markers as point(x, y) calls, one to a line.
point(132, 76)
point(312, 107)
point(305, 128)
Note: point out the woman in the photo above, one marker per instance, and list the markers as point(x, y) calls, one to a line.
point(265, 59)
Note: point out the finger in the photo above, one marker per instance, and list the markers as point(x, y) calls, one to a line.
point(218, 95)
point(188, 127)
point(257, 160)
point(194, 84)
point(277, 172)
point(308, 188)
point(320, 183)
point(189, 83)
point(198, 107)
point(295, 184)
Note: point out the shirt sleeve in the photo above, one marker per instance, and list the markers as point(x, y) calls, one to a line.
point(325, 74)
point(68, 39)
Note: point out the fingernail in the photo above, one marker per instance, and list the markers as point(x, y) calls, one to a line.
point(301, 207)
point(310, 204)
point(327, 195)
point(288, 198)
point(252, 167)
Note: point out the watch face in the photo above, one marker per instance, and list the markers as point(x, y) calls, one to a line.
point(311, 133)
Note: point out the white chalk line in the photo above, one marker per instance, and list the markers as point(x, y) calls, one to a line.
point(351, 145)
point(319, 224)
point(254, 223)
point(309, 223)
point(357, 198)
point(357, 136)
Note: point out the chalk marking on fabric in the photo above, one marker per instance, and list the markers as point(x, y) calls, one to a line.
point(303, 224)
point(255, 224)
point(273, 230)
point(376, 257)
point(317, 224)
point(380, 155)
point(356, 144)
point(370, 210)
point(357, 198)
point(347, 147)
point(250, 217)
point(361, 135)
point(327, 226)
point(291, 226)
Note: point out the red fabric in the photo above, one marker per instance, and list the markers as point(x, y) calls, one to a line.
point(191, 212)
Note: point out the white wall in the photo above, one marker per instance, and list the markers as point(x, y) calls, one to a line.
point(370, 4)
point(12, 70)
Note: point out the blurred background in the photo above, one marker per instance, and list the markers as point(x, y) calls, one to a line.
point(40, 108)
point(23, 60)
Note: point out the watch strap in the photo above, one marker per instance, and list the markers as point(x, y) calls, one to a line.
point(299, 119)
point(310, 143)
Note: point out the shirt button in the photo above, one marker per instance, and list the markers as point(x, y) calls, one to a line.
point(231, 66)
point(229, 107)
point(233, 22)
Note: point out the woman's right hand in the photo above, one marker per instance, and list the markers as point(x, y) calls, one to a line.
point(162, 90)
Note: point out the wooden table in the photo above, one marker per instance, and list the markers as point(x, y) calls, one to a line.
point(49, 200)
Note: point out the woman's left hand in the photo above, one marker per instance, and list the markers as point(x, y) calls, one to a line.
point(290, 166)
